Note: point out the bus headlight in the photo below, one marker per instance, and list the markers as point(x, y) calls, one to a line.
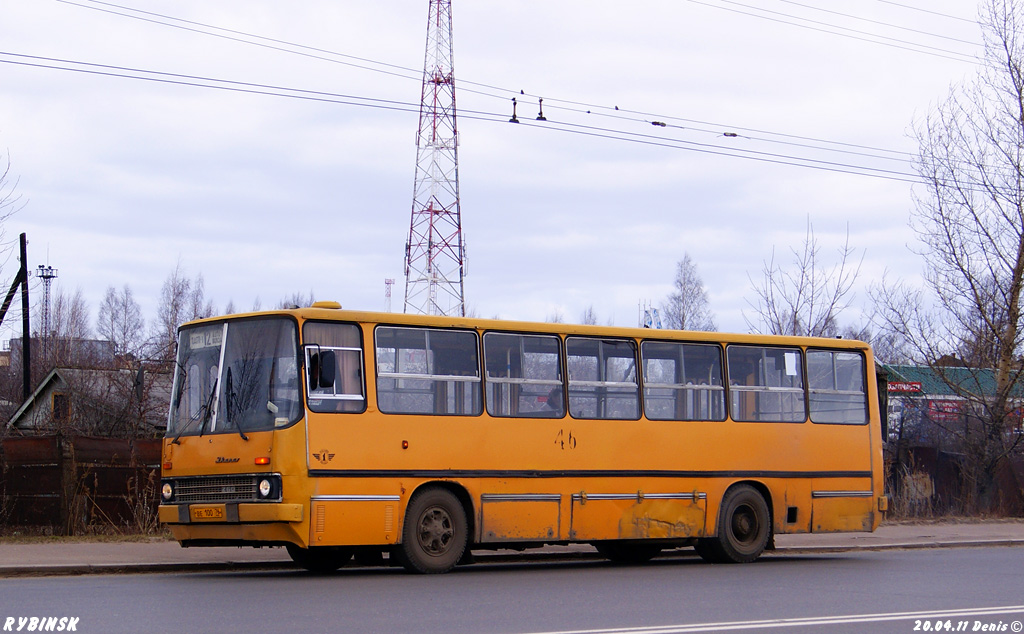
point(265, 488)
point(167, 491)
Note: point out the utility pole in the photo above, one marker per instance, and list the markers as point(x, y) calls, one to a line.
point(435, 251)
point(21, 279)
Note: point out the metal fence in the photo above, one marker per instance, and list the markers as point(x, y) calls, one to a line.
point(71, 484)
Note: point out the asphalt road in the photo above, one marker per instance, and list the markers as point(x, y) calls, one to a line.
point(879, 591)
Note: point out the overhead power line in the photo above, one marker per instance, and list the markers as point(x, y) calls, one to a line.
point(678, 123)
point(490, 117)
point(913, 8)
point(483, 89)
point(880, 23)
point(824, 27)
point(494, 117)
point(203, 82)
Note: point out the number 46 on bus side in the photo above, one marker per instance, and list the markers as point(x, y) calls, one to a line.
point(565, 440)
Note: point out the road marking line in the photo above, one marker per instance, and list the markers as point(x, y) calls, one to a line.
point(800, 622)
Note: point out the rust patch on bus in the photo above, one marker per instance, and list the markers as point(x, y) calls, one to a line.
point(662, 519)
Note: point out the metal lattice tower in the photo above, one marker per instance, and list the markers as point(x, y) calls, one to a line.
point(46, 273)
point(435, 251)
point(388, 283)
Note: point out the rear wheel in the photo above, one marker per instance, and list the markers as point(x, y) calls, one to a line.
point(435, 534)
point(707, 548)
point(744, 527)
point(319, 559)
point(626, 552)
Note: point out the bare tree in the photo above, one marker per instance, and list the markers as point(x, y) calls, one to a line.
point(66, 343)
point(687, 307)
point(807, 299)
point(181, 300)
point(120, 321)
point(969, 218)
point(199, 307)
point(589, 316)
point(10, 202)
point(171, 312)
point(297, 299)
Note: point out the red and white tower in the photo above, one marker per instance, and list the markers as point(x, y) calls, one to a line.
point(435, 251)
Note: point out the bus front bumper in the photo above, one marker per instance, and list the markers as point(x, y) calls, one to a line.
point(230, 513)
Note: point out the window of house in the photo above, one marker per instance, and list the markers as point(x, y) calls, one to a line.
point(61, 407)
point(428, 371)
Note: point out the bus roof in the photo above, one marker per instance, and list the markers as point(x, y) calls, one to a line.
point(323, 312)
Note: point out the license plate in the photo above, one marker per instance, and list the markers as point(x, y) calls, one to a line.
point(205, 513)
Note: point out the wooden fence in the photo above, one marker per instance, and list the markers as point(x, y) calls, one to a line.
point(71, 483)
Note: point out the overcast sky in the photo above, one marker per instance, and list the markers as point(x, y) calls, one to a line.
point(265, 196)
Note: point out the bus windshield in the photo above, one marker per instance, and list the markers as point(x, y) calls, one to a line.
point(235, 377)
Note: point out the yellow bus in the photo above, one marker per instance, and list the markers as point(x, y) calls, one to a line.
point(338, 433)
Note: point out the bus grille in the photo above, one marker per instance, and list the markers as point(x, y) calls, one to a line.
point(237, 488)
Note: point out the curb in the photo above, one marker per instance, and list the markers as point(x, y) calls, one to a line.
point(978, 543)
point(48, 570)
point(62, 570)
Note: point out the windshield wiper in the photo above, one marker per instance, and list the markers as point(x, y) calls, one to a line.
point(205, 412)
point(230, 399)
point(209, 408)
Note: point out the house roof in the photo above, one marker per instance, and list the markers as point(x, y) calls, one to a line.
point(95, 383)
point(950, 380)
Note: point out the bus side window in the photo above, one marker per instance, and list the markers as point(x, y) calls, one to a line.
point(682, 381)
point(341, 345)
point(837, 387)
point(766, 384)
point(602, 378)
point(427, 371)
point(523, 375)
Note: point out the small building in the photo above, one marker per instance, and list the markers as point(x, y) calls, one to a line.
point(929, 404)
point(117, 403)
point(935, 414)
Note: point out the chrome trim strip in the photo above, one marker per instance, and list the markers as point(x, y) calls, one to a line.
point(842, 494)
point(674, 496)
point(632, 496)
point(356, 498)
point(521, 497)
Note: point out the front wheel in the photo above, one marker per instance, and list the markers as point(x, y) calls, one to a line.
point(435, 534)
point(744, 527)
point(319, 559)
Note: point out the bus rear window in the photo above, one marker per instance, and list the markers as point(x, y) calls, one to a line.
point(428, 371)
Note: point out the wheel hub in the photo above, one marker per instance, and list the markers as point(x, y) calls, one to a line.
point(436, 531)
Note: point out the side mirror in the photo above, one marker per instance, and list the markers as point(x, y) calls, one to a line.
point(322, 369)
